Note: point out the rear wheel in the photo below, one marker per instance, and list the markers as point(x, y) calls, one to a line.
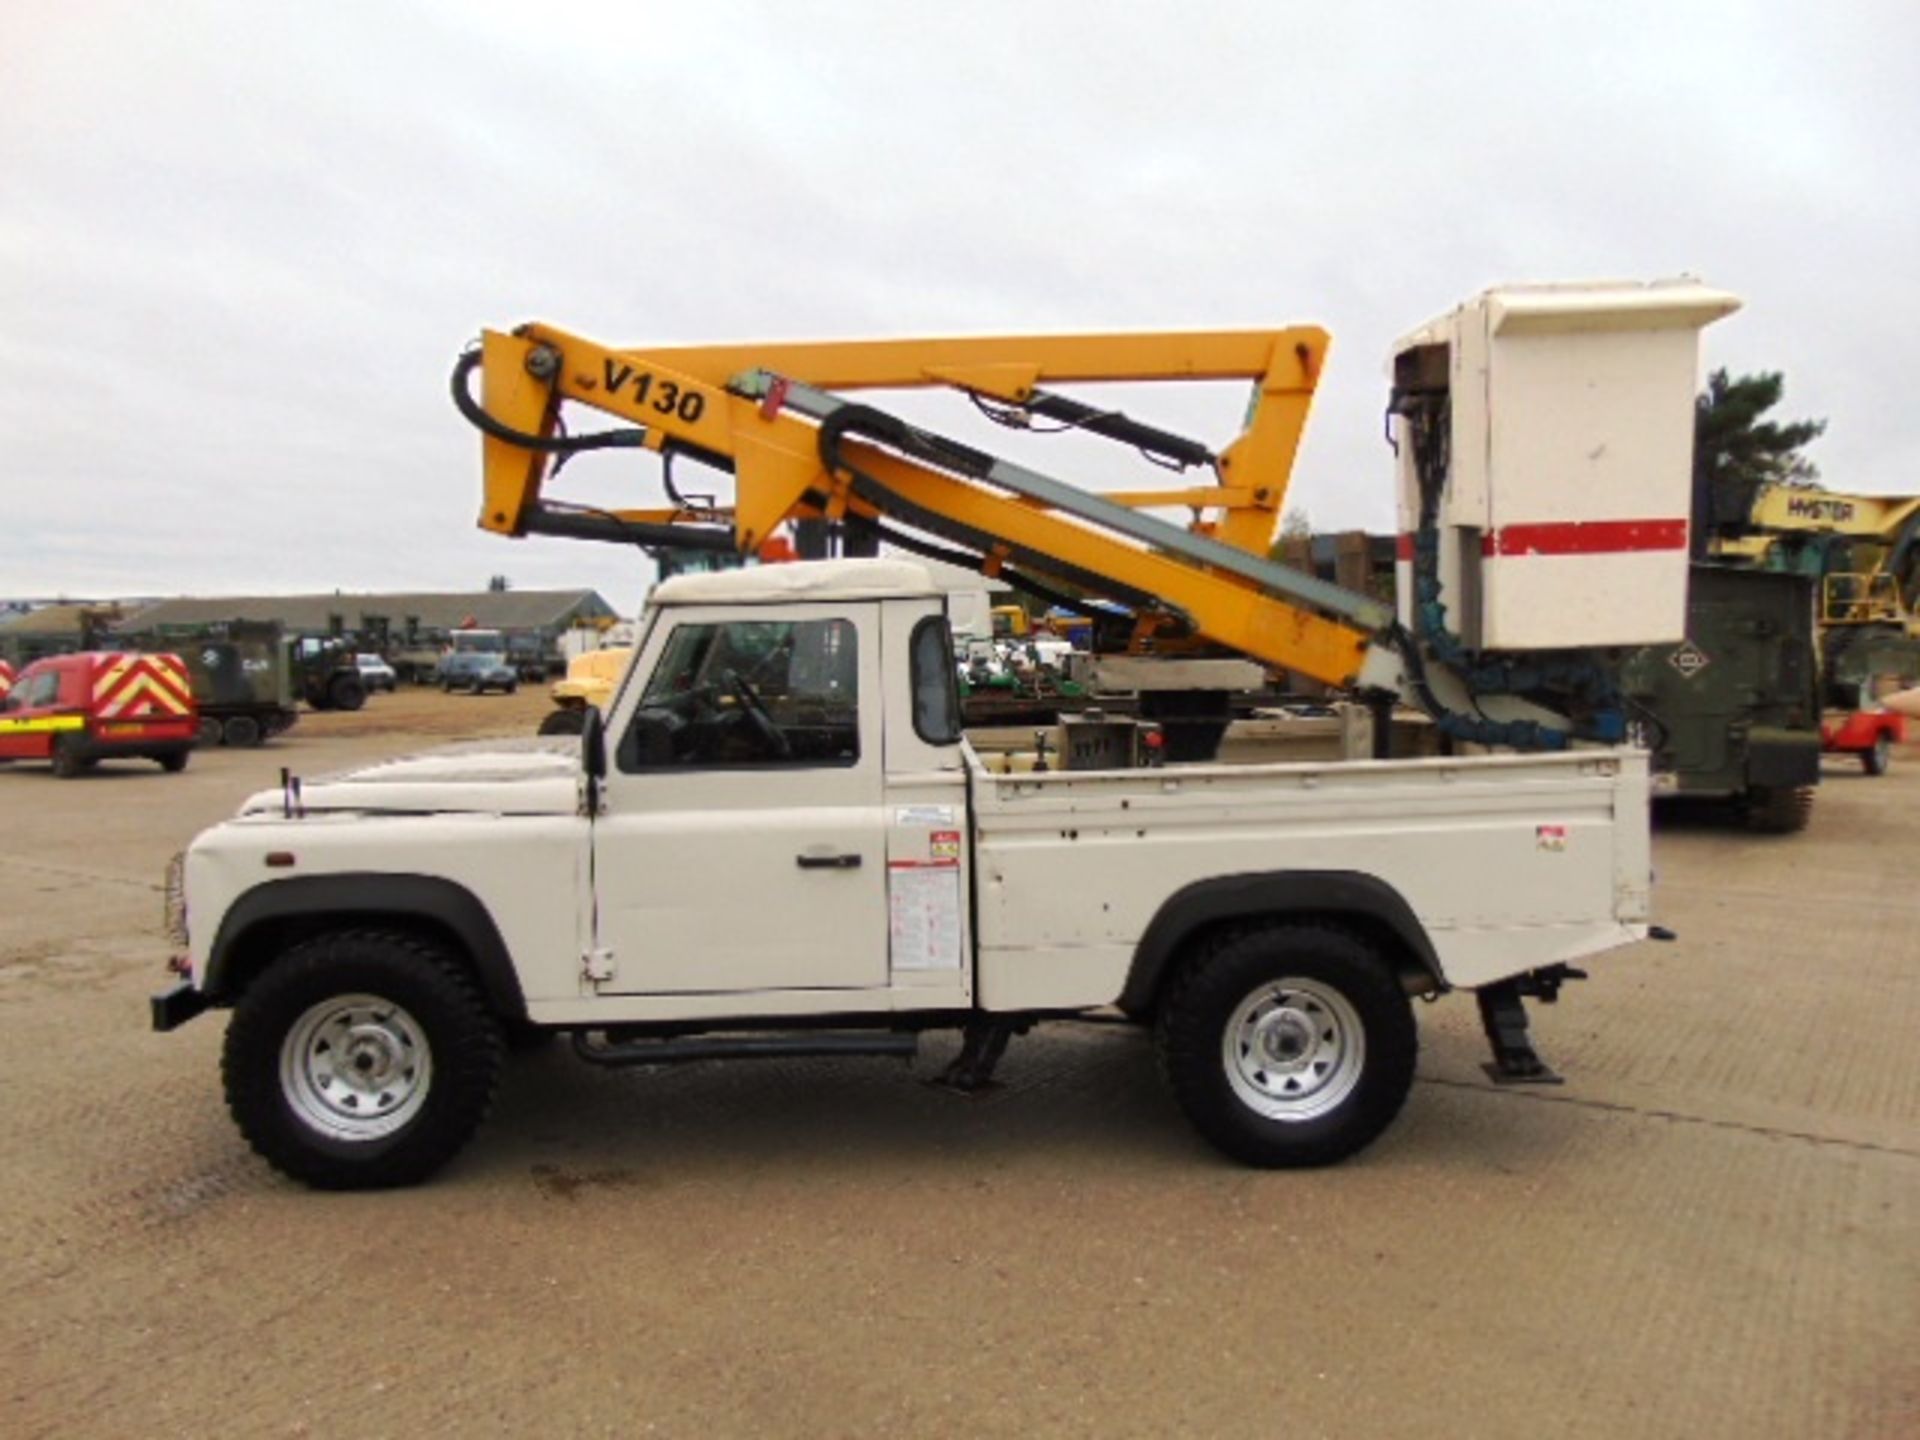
point(211, 731)
point(173, 764)
point(242, 731)
point(346, 692)
point(1879, 756)
point(361, 1059)
point(1288, 1045)
point(1779, 810)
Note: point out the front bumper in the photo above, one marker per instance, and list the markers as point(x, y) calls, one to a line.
point(174, 1008)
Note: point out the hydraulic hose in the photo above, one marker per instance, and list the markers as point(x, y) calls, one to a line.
point(476, 415)
point(878, 426)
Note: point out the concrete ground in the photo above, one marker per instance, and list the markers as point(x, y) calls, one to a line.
point(1712, 1229)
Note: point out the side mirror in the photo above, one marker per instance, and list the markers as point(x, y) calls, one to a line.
point(593, 744)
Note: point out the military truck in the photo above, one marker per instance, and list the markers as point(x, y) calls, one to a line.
point(327, 672)
point(1733, 711)
point(249, 677)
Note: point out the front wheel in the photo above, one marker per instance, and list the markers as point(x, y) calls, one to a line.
point(1288, 1045)
point(361, 1059)
point(68, 762)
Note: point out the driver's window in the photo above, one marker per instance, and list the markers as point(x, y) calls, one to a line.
point(776, 692)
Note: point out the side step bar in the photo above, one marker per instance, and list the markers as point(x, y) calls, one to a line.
point(742, 1047)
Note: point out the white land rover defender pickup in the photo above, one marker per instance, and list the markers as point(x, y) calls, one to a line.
point(779, 843)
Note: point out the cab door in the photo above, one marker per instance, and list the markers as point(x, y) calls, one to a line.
point(27, 721)
point(743, 841)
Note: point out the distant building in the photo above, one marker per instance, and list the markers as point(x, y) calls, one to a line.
point(54, 630)
point(357, 614)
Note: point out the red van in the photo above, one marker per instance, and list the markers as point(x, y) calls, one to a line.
point(77, 710)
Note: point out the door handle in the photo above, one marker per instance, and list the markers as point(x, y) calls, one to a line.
point(827, 862)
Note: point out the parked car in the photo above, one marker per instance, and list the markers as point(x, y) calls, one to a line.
point(477, 673)
point(375, 673)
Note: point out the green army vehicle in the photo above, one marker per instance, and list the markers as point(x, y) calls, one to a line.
point(1733, 711)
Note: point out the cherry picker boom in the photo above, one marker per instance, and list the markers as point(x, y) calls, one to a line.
point(1589, 389)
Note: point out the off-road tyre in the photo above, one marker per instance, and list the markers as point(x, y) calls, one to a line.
point(525, 1038)
point(422, 982)
point(211, 731)
point(242, 732)
point(346, 692)
point(173, 764)
point(1877, 758)
point(568, 720)
point(1779, 810)
point(1319, 981)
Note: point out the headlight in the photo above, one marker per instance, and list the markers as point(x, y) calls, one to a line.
point(173, 918)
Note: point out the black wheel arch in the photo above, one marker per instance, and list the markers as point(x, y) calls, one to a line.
point(1361, 902)
point(279, 912)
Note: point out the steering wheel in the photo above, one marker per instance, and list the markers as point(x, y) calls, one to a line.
point(755, 709)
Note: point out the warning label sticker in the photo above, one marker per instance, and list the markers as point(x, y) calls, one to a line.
point(923, 915)
point(923, 815)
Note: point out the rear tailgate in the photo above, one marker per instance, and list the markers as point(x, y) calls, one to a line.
point(139, 698)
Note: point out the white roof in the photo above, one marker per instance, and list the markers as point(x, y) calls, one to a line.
point(801, 580)
point(957, 579)
point(1682, 302)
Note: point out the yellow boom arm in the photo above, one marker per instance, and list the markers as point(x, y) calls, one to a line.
point(772, 414)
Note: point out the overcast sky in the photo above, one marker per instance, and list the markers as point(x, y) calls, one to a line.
point(241, 243)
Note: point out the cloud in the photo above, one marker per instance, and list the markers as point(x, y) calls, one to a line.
point(240, 245)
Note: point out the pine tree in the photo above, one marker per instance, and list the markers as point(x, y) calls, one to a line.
point(1734, 446)
point(1735, 451)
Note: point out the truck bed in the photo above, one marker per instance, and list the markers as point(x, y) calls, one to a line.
point(1512, 862)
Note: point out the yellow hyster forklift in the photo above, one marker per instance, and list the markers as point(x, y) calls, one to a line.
point(1862, 552)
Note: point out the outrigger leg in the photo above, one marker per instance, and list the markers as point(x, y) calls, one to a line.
point(1503, 1014)
point(982, 1045)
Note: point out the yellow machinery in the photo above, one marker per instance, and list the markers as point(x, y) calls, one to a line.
point(795, 452)
point(590, 680)
point(1863, 549)
point(1010, 622)
point(775, 416)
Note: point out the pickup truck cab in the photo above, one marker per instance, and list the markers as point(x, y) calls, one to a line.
point(73, 711)
point(779, 842)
